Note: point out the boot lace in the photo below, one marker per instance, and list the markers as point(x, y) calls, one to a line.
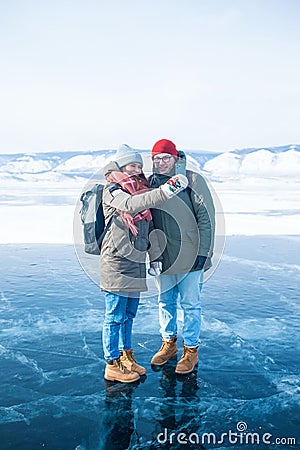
point(187, 353)
point(166, 345)
point(121, 365)
point(130, 355)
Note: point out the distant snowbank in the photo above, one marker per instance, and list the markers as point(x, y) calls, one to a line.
point(44, 212)
point(54, 224)
point(37, 224)
point(258, 190)
point(262, 163)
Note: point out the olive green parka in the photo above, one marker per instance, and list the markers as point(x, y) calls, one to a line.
point(187, 223)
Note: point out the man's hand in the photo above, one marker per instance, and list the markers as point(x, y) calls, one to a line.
point(174, 185)
point(199, 263)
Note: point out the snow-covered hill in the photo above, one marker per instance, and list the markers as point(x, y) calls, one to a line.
point(54, 166)
point(59, 166)
point(266, 163)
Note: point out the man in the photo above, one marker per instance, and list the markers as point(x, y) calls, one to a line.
point(186, 227)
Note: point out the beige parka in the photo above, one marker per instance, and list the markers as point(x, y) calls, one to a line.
point(123, 257)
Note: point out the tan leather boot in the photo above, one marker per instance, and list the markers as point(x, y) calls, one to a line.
point(118, 372)
point(167, 351)
point(128, 360)
point(187, 361)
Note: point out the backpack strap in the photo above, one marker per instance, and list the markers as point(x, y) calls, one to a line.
point(189, 176)
point(114, 187)
point(102, 235)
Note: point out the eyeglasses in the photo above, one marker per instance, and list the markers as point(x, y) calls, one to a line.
point(164, 159)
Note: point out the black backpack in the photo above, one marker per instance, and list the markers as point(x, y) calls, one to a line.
point(92, 219)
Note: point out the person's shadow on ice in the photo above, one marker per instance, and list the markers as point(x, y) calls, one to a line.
point(177, 411)
point(118, 421)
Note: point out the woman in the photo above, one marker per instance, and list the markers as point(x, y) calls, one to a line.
point(127, 199)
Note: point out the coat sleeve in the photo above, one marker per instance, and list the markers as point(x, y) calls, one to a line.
point(154, 249)
point(121, 200)
point(203, 205)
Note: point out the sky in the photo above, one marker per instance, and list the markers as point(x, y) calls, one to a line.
point(89, 75)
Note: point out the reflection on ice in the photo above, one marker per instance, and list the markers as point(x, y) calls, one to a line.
point(51, 363)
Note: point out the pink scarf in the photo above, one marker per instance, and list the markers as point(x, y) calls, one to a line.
point(133, 187)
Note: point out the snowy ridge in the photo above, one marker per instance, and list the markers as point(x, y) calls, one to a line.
point(267, 162)
point(259, 163)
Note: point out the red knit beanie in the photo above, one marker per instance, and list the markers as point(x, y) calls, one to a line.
point(164, 146)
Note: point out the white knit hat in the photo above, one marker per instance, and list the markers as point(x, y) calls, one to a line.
point(126, 155)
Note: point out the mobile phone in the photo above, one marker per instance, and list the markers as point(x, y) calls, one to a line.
point(181, 163)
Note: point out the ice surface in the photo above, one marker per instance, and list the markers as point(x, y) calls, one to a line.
point(51, 361)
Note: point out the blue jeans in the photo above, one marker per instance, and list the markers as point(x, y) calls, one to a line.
point(120, 310)
point(188, 288)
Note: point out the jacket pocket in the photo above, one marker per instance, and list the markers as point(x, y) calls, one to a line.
point(120, 243)
point(193, 236)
